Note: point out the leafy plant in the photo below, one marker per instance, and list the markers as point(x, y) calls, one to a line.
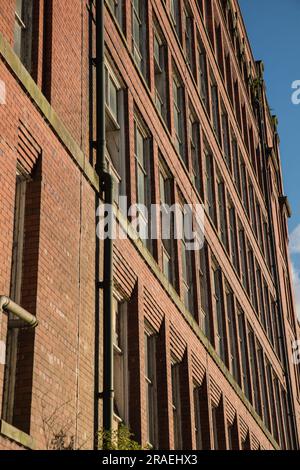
point(60, 441)
point(120, 439)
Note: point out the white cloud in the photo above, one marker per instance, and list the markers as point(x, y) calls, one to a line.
point(296, 281)
point(295, 241)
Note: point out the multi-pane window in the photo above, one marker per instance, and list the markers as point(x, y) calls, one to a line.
point(117, 7)
point(219, 310)
point(237, 102)
point(120, 361)
point(243, 258)
point(261, 296)
point(151, 388)
point(236, 165)
point(268, 314)
point(215, 110)
point(217, 427)
point(189, 38)
point(139, 35)
point(179, 119)
point(234, 368)
point(244, 187)
point(225, 138)
point(142, 146)
point(204, 292)
point(253, 287)
point(279, 414)
point(23, 32)
point(276, 329)
point(285, 418)
point(272, 401)
point(198, 418)
point(254, 371)
point(16, 294)
point(244, 353)
point(166, 238)
point(259, 226)
point(263, 384)
point(229, 77)
point(219, 48)
point(176, 16)
point(267, 244)
point(160, 70)
point(186, 265)
point(245, 126)
point(252, 208)
point(233, 237)
point(210, 200)
point(223, 232)
point(194, 143)
point(115, 132)
point(233, 435)
point(202, 73)
point(176, 405)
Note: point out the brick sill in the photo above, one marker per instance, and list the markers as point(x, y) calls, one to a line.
point(14, 434)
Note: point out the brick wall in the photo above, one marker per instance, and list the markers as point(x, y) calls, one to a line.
point(59, 264)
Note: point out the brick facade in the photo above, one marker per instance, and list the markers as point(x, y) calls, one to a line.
point(46, 128)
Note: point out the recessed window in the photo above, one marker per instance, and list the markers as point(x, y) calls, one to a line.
point(225, 138)
point(189, 38)
point(117, 7)
point(23, 32)
point(222, 216)
point(243, 259)
point(210, 199)
point(202, 73)
point(160, 71)
point(244, 353)
point(151, 388)
point(142, 151)
point(204, 292)
point(219, 310)
point(186, 262)
point(139, 35)
point(215, 109)
point(263, 384)
point(167, 223)
point(236, 165)
point(198, 418)
point(233, 236)
point(234, 366)
point(120, 340)
point(194, 143)
point(115, 132)
point(176, 405)
point(253, 287)
point(176, 16)
point(179, 116)
point(254, 371)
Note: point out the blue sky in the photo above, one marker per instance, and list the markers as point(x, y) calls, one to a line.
point(274, 33)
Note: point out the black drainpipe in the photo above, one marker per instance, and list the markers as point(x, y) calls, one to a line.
point(106, 285)
point(292, 416)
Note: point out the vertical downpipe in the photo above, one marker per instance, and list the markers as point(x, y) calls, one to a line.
point(106, 194)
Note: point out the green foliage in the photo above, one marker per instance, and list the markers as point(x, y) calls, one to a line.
point(120, 439)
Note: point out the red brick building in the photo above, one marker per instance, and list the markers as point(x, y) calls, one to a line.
point(203, 339)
